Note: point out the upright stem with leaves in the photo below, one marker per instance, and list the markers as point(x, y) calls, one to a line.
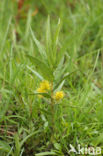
point(50, 66)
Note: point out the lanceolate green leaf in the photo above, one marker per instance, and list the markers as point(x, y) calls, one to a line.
point(48, 36)
point(40, 47)
point(56, 36)
point(27, 137)
point(42, 67)
point(35, 72)
point(45, 153)
point(62, 52)
point(60, 86)
point(61, 82)
point(4, 146)
point(49, 41)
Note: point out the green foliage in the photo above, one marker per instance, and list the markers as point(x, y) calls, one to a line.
point(4, 146)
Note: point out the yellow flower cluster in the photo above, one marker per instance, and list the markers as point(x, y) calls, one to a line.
point(44, 87)
point(59, 95)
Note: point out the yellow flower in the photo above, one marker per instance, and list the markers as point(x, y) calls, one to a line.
point(59, 95)
point(40, 90)
point(45, 85)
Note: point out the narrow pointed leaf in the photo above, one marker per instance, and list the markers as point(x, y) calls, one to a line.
point(27, 137)
point(49, 42)
point(56, 37)
point(42, 67)
point(35, 72)
point(48, 35)
point(62, 80)
point(45, 153)
point(57, 33)
point(4, 146)
point(38, 44)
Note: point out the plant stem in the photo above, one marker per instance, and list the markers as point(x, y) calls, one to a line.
point(52, 112)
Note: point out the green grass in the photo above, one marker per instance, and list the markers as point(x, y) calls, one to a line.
point(71, 56)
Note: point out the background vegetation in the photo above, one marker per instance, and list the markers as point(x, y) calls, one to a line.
point(76, 34)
